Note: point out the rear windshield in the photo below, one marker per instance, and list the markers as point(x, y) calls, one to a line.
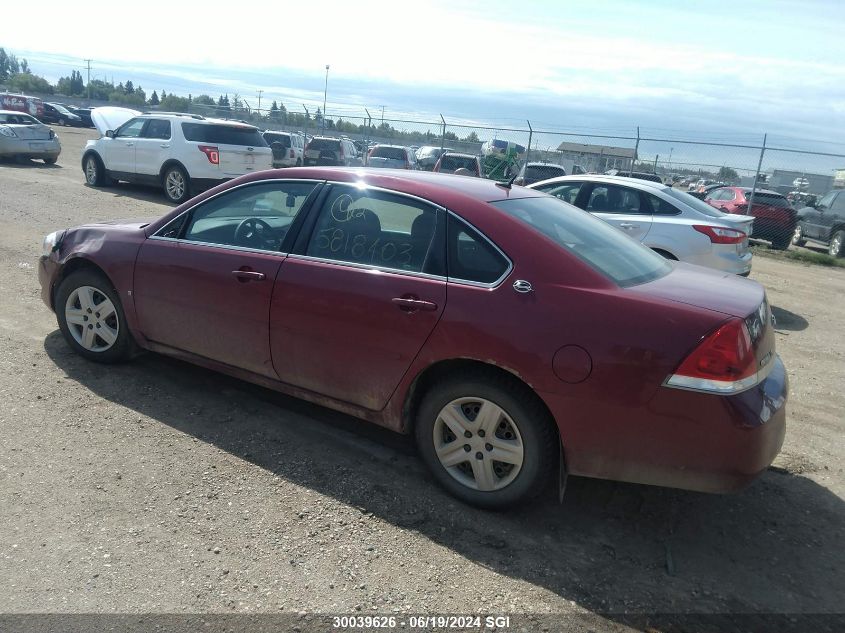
point(457, 162)
point(623, 260)
point(324, 143)
point(543, 172)
point(277, 138)
point(695, 203)
point(220, 134)
point(771, 199)
point(395, 153)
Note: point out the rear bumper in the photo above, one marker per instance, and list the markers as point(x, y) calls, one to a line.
point(680, 439)
point(50, 148)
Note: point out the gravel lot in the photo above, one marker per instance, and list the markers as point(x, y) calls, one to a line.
point(157, 486)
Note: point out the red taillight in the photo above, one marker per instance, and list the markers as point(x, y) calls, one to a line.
point(723, 362)
point(721, 235)
point(211, 153)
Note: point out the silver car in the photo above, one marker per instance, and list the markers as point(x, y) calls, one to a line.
point(24, 136)
point(671, 222)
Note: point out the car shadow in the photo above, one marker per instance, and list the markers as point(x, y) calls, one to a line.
point(786, 320)
point(641, 556)
point(138, 192)
point(28, 163)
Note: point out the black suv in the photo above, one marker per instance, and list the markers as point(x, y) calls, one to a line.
point(824, 223)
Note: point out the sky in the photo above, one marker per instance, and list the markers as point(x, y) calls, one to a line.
point(726, 71)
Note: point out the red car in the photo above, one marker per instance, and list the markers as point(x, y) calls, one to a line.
point(505, 329)
point(775, 219)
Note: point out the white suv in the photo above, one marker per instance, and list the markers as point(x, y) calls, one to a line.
point(181, 153)
point(287, 148)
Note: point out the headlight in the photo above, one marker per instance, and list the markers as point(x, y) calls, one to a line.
point(50, 242)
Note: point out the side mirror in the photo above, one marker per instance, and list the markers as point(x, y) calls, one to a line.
point(110, 133)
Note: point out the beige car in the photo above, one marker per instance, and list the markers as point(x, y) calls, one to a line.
point(24, 136)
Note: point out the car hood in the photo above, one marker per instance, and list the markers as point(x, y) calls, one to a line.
point(706, 288)
point(110, 118)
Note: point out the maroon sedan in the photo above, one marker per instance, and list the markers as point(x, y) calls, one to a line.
point(774, 217)
point(505, 329)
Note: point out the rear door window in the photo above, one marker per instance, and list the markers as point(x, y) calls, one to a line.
point(471, 256)
point(220, 134)
point(615, 199)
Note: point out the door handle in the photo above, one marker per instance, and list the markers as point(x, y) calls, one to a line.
point(411, 304)
point(130, 144)
point(164, 145)
point(628, 226)
point(249, 275)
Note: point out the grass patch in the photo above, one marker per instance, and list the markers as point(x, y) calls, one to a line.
point(804, 256)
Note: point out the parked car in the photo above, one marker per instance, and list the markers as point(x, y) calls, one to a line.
point(642, 175)
point(774, 218)
point(287, 148)
point(427, 156)
point(22, 103)
point(670, 222)
point(702, 191)
point(535, 172)
point(516, 337)
point(180, 153)
point(57, 113)
point(461, 164)
point(823, 223)
point(392, 157)
point(322, 150)
point(23, 136)
point(84, 115)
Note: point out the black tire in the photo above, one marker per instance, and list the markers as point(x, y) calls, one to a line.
point(782, 243)
point(798, 235)
point(171, 192)
point(124, 346)
point(299, 162)
point(50, 161)
point(539, 439)
point(836, 248)
point(96, 176)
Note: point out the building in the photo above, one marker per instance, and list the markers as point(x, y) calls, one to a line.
point(598, 158)
point(783, 181)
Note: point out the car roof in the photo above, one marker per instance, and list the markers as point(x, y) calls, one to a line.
point(459, 154)
point(542, 164)
point(386, 145)
point(278, 132)
point(15, 112)
point(618, 180)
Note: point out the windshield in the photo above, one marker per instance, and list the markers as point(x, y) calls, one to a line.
point(453, 163)
point(695, 203)
point(622, 259)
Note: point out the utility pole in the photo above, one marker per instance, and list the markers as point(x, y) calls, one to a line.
point(259, 102)
point(382, 116)
point(325, 91)
point(88, 61)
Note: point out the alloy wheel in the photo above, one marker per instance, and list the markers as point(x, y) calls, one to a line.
point(91, 171)
point(92, 319)
point(836, 245)
point(175, 184)
point(478, 444)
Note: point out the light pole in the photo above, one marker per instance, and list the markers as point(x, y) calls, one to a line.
point(671, 149)
point(259, 102)
point(325, 92)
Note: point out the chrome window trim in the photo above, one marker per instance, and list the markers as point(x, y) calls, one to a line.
point(480, 284)
point(370, 267)
point(229, 247)
point(235, 188)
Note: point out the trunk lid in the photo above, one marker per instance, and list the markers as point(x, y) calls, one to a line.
point(237, 160)
point(744, 223)
point(111, 117)
point(38, 132)
point(706, 288)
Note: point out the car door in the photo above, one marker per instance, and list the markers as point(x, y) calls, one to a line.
point(120, 151)
point(360, 295)
point(152, 148)
point(623, 207)
point(203, 283)
point(831, 217)
point(814, 220)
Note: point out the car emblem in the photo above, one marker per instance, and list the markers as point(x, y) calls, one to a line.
point(522, 286)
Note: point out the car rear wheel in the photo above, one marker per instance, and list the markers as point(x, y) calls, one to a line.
point(486, 440)
point(176, 184)
point(798, 235)
point(782, 243)
point(95, 173)
point(49, 161)
point(837, 242)
point(91, 318)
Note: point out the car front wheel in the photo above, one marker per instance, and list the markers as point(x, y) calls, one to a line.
point(95, 173)
point(486, 440)
point(91, 318)
point(798, 235)
point(837, 244)
point(176, 184)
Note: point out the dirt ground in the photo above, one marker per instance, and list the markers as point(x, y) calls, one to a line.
point(160, 487)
